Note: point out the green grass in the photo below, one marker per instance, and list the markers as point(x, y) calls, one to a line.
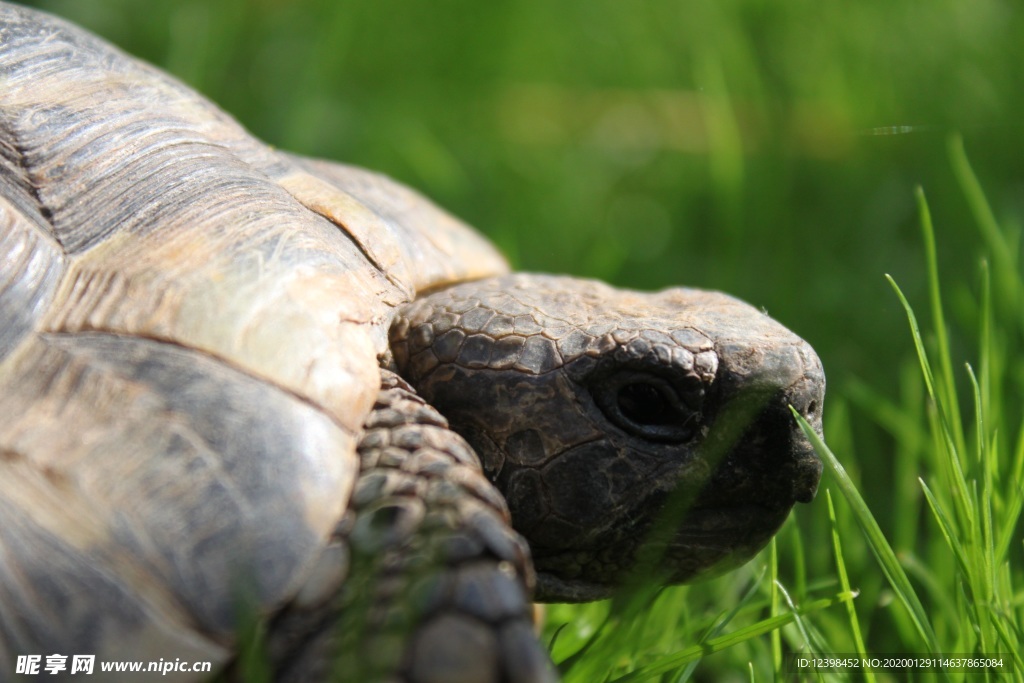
point(772, 150)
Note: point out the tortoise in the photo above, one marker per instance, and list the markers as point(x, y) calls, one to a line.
point(239, 386)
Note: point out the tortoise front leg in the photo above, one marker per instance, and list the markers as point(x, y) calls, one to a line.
point(436, 583)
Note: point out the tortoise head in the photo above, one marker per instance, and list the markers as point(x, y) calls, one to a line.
point(630, 432)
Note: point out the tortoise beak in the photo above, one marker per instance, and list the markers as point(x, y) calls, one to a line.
point(806, 396)
point(806, 475)
point(766, 458)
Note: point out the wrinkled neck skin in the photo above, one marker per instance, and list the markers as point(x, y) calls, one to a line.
point(633, 434)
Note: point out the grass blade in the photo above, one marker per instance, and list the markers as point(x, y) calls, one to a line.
point(695, 652)
point(961, 494)
point(947, 529)
point(719, 625)
point(844, 583)
point(1008, 278)
point(946, 386)
point(876, 539)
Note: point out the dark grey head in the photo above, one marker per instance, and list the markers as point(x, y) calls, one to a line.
point(615, 420)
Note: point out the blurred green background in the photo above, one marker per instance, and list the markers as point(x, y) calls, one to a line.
point(769, 149)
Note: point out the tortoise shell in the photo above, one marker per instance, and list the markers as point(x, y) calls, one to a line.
point(191, 327)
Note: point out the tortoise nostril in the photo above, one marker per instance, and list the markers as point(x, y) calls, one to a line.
point(812, 408)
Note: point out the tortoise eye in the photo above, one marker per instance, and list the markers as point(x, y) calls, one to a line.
point(645, 404)
point(649, 407)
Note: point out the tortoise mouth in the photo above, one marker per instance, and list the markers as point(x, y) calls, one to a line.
point(709, 542)
point(715, 540)
point(729, 525)
point(712, 540)
point(553, 588)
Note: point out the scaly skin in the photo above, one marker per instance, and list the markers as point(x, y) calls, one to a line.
point(609, 417)
point(436, 584)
